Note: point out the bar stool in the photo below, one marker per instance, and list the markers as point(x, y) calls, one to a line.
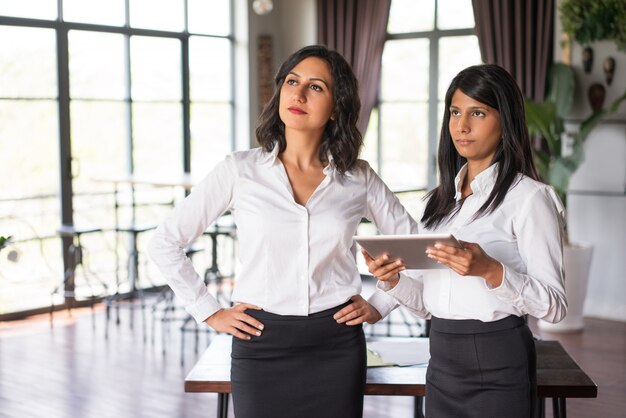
point(215, 280)
point(134, 298)
point(213, 273)
point(164, 309)
point(76, 253)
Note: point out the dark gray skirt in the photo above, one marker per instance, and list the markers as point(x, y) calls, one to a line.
point(481, 369)
point(302, 366)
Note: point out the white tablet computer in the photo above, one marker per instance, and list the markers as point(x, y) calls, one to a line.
point(410, 248)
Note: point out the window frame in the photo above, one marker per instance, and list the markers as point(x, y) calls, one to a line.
point(62, 28)
point(433, 36)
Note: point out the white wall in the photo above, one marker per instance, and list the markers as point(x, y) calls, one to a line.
point(292, 25)
point(597, 199)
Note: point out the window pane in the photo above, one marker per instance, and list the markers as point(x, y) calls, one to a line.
point(28, 148)
point(35, 9)
point(29, 170)
point(207, 80)
point(155, 68)
point(158, 14)
point(27, 62)
point(455, 54)
point(27, 283)
point(96, 57)
point(158, 143)
point(370, 140)
point(405, 70)
point(210, 136)
point(103, 12)
point(98, 143)
point(211, 17)
point(405, 144)
point(411, 16)
point(454, 14)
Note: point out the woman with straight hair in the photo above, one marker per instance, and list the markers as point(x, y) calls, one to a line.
point(297, 200)
point(510, 265)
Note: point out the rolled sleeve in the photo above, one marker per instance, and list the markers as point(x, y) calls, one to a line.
point(539, 291)
point(186, 222)
point(408, 293)
point(383, 303)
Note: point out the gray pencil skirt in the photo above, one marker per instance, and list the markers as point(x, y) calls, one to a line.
point(302, 366)
point(481, 369)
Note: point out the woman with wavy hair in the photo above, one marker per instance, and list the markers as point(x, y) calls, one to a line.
point(298, 347)
point(510, 265)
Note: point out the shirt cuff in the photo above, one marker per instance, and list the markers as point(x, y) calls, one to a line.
point(501, 282)
point(203, 308)
point(384, 286)
point(403, 284)
point(383, 303)
point(507, 289)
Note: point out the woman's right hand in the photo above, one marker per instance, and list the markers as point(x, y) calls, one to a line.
point(236, 322)
point(383, 268)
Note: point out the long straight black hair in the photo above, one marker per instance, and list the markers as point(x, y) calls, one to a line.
point(341, 136)
point(494, 86)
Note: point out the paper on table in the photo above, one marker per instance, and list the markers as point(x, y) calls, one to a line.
point(398, 353)
point(375, 360)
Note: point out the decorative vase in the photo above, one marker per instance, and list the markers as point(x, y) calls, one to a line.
point(596, 95)
point(576, 263)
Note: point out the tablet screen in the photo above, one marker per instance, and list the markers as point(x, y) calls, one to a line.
point(410, 248)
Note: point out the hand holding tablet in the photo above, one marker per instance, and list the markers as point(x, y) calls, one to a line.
point(409, 248)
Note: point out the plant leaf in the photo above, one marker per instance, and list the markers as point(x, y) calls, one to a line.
point(542, 163)
point(616, 103)
point(562, 84)
point(540, 119)
point(559, 175)
point(594, 119)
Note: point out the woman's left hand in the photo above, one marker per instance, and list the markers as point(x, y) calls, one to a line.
point(470, 260)
point(357, 312)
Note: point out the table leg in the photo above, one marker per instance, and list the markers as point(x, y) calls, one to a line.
point(559, 408)
point(222, 405)
point(418, 404)
point(226, 398)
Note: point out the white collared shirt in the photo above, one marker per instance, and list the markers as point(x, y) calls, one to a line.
point(523, 234)
point(295, 260)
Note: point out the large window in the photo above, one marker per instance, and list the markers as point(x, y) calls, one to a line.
point(100, 89)
point(428, 43)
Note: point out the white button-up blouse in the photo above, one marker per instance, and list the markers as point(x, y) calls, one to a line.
point(523, 234)
point(295, 260)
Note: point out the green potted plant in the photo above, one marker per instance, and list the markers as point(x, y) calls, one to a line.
point(4, 241)
point(556, 164)
point(588, 21)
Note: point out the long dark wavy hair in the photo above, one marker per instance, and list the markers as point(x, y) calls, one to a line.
point(341, 136)
point(495, 87)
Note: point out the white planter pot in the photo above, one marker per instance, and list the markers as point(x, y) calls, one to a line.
point(576, 261)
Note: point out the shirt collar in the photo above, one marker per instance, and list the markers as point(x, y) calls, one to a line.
point(482, 184)
point(330, 167)
point(268, 159)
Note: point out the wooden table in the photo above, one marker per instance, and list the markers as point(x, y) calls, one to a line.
point(558, 377)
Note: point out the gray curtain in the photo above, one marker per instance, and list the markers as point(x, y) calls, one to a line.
point(517, 35)
point(356, 29)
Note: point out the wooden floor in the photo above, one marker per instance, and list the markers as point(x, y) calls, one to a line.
point(72, 371)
